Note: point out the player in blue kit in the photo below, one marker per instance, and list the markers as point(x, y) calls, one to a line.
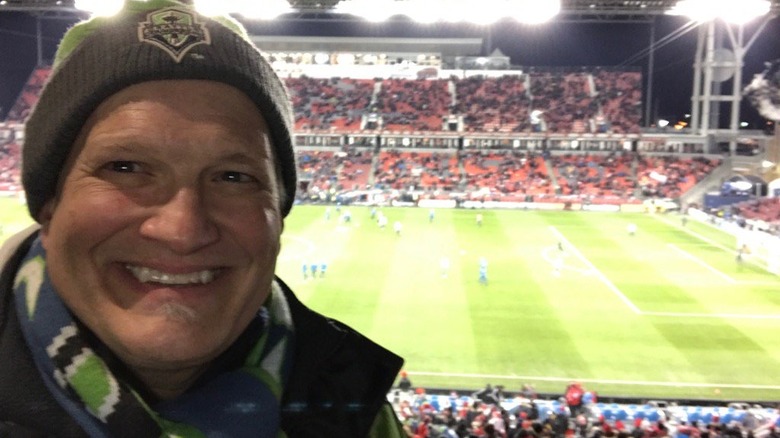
point(483, 267)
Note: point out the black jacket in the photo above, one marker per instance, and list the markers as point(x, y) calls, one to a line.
point(338, 384)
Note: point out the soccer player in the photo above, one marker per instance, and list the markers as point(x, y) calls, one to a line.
point(304, 269)
point(558, 265)
point(323, 268)
point(631, 228)
point(479, 219)
point(444, 265)
point(313, 269)
point(483, 267)
point(431, 214)
point(397, 227)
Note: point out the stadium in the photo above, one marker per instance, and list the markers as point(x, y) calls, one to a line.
point(522, 229)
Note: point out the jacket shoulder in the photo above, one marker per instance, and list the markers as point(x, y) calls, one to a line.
point(27, 409)
point(340, 378)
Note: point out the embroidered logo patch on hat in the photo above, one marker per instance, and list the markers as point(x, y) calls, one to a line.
point(174, 30)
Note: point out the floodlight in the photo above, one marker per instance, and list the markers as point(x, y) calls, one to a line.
point(371, 10)
point(423, 11)
point(102, 8)
point(732, 11)
point(532, 11)
point(321, 58)
point(266, 10)
point(483, 12)
point(663, 123)
point(213, 9)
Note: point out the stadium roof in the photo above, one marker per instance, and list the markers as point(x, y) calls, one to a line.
point(584, 10)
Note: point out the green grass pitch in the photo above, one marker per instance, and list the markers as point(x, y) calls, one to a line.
point(667, 312)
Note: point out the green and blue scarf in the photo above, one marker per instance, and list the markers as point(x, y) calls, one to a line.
point(237, 402)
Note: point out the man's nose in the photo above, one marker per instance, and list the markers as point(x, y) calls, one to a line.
point(183, 222)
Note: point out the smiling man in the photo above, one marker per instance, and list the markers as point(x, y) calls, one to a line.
point(159, 166)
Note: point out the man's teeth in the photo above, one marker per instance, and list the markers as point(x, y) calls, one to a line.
point(146, 275)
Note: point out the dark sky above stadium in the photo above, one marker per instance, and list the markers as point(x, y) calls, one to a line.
point(552, 44)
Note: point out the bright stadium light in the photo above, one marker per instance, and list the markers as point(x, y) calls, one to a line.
point(371, 10)
point(423, 11)
point(101, 8)
point(266, 10)
point(212, 9)
point(732, 11)
point(532, 11)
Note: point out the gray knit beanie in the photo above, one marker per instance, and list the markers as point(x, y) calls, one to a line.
point(153, 40)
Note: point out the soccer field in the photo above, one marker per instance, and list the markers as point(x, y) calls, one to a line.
point(667, 312)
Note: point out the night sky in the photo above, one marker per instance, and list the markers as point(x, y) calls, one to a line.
point(552, 44)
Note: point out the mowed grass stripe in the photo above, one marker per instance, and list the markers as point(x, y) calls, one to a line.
point(519, 303)
point(616, 332)
point(637, 265)
point(420, 306)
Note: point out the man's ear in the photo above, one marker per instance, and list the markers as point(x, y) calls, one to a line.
point(45, 217)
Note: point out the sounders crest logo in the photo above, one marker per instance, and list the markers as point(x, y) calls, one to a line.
point(174, 30)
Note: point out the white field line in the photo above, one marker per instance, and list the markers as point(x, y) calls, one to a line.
point(697, 235)
point(708, 240)
point(701, 263)
point(601, 381)
point(712, 315)
point(551, 260)
point(757, 283)
point(599, 274)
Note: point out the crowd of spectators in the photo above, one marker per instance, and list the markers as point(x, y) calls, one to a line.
point(761, 209)
point(539, 101)
point(397, 169)
point(29, 96)
point(323, 104)
point(576, 413)
point(508, 175)
point(565, 100)
point(596, 176)
point(620, 99)
point(670, 176)
point(493, 104)
point(10, 162)
point(413, 105)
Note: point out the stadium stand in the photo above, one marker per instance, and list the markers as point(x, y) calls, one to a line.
point(492, 412)
point(29, 95)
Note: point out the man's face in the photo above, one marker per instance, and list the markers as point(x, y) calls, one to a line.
point(164, 235)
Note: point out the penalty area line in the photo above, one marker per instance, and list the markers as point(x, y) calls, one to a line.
point(701, 263)
point(599, 381)
point(611, 286)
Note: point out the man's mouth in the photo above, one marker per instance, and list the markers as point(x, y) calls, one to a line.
point(148, 275)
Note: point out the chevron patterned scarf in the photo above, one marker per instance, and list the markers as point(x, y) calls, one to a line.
point(243, 401)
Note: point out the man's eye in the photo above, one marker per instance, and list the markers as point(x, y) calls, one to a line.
point(123, 166)
point(236, 177)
